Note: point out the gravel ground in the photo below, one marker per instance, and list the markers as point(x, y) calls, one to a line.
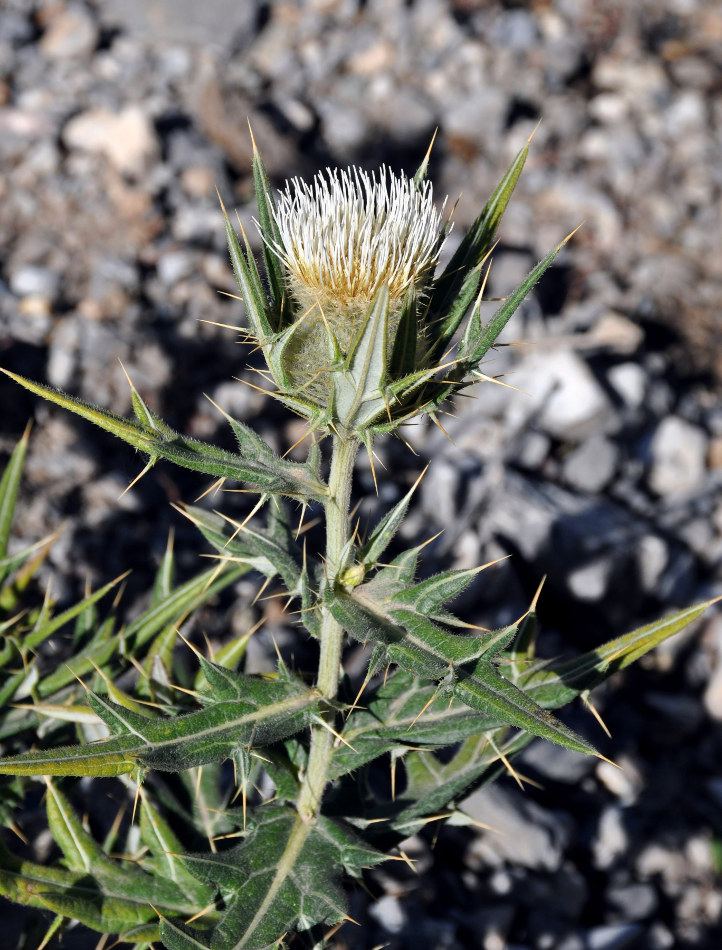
point(117, 121)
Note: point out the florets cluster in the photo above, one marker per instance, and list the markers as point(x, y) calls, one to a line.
point(349, 232)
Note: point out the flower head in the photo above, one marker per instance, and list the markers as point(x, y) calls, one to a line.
point(349, 232)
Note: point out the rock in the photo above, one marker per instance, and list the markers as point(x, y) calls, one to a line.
point(630, 381)
point(127, 138)
point(389, 912)
point(31, 281)
point(652, 555)
point(564, 392)
point(633, 901)
point(344, 127)
point(611, 839)
point(70, 34)
point(626, 781)
point(471, 119)
point(591, 466)
point(591, 581)
point(678, 451)
point(554, 762)
point(713, 692)
point(212, 23)
point(524, 834)
point(612, 938)
point(174, 266)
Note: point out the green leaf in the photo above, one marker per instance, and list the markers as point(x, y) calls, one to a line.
point(423, 648)
point(249, 283)
point(476, 348)
point(268, 711)
point(271, 237)
point(271, 550)
point(162, 442)
point(404, 712)
point(432, 784)
point(285, 875)
point(468, 256)
point(384, 532)
point(554, 685)
point(167, 851)
point(46, 628)
point(9, 487)
point(181, 601)
point(403, 356)
point(113, 897)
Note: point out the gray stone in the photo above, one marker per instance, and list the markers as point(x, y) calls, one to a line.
point(32, 281)
point(524, 834)
point(389, 912)
point(611, 839)
point(591, 466)
point(563, 393)
point(633, 901)
point(126, 138)
point(678, 451)
point(630, 381)
point(212, 23)
point(652, 555)
point(557, 763)
point(71, 33)
point(612, 938)
point(591, 581)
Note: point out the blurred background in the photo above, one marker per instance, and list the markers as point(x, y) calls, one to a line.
point(118, 121)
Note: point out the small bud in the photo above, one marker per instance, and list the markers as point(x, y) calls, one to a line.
point(353, 576)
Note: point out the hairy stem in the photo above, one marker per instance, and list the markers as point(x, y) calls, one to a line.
point(337, 534)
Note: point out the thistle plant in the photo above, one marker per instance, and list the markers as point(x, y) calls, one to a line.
point(360, 335)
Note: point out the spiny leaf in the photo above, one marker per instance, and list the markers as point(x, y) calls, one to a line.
point(163, 443)
point(249, 283)
point(556, 684)
point(384, 532)
point(476, 349)
point(9, 487)
point(286, 874)
point(271, 237)
point(268, 711)
point(422, 647)
point(469, 255)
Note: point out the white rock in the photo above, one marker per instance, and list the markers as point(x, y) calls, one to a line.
point(590, 467)
point(630, 381)
point(562, 386)
point(31, 281)
point(678, 453)
point(590, 582)
point(71, 33)
point(126, 138)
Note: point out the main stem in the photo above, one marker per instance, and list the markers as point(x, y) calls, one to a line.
point(337, 534)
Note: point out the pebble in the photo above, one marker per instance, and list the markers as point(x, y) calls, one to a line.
point(612, 938)
point(31, 281)
point(72, 33)
point(565, 393)
point(678, 450)
point(590, 467)
point(524, 834)
point(611, 839)
point(126, 138)
point(630, 382)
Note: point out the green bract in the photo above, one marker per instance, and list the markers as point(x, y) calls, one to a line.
point(360, 335)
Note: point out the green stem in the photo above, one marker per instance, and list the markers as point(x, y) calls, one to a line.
point(337, 535)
